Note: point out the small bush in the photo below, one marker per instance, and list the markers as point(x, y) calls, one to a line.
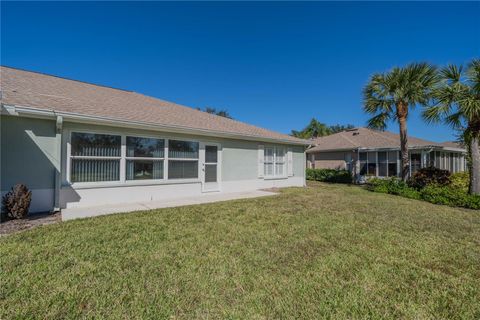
point(460, 181)
point(17, 202)
point(427, 176)
point(329, 175)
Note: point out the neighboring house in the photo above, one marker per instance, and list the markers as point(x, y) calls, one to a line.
point(76, 144)
point(368, 152)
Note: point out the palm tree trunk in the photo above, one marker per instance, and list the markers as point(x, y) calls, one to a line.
point(402, 111)
point(475, 167)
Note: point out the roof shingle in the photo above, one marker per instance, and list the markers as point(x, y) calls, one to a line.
point(30, 89)
point(366, 138)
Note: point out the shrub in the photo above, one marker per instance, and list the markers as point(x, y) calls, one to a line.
point(460, 181)
point(329, 175)
point(427, 176)
point(17, 202)
point(450, 196)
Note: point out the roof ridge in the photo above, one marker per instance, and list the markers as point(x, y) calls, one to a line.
point(65, 78)
point(348, 139)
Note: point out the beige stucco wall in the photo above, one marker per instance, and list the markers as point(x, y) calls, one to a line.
point(329, 160)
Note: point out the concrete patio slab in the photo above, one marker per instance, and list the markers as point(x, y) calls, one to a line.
point(84, 212)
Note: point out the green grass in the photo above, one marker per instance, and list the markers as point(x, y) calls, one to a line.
point(327, 251)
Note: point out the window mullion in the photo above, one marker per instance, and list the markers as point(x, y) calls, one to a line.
point(274, 161)
point(123, 155)
point(165, 161)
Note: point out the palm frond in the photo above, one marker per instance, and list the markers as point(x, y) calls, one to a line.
point(473, 75)
point(379, 121)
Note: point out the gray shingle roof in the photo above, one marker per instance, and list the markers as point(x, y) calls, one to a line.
point(366, 138)
point(31, 89)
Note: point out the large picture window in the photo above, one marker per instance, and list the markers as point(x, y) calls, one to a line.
point(182, 159)
point(145, 158)
point(274, 162)
point(99, 157)
point(95, 157)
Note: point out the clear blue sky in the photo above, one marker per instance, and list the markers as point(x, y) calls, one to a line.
point(275, 65)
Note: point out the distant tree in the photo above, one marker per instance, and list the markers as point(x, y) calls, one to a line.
point(220, 112)
point(391, 95)
point(312, 130)
point(339, 128)
point(317, 129)
point(457, 104)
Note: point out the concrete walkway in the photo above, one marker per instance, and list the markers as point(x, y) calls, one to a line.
point(84, 212)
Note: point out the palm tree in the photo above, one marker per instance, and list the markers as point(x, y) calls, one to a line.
point(457, 103)
point(391, 95)
point(313, 130)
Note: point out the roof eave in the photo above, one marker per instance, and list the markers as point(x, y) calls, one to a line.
point(99, 120)
point(436, 147)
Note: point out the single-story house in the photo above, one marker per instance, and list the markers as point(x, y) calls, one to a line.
point(367, 152)
point(77, 144)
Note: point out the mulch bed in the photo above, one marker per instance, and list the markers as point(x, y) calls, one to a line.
point(32, 221)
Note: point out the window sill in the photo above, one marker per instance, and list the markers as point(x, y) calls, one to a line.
point(131, 183)
point(275, 178)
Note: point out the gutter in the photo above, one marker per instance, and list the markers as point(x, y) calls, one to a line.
point(76, 117)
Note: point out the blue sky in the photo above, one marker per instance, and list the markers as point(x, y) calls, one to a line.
point(272, 64)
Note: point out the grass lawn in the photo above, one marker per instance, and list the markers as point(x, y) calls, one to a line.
point(325, 251)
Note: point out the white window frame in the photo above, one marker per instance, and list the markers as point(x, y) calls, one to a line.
point(275, 162)
point(182, 159)
point(123, 182)
point(70, 157)
point(123, 167)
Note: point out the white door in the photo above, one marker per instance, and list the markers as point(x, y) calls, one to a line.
point(211, 167)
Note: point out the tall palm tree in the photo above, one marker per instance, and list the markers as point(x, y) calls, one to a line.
point(457, 103)
point(391, 95)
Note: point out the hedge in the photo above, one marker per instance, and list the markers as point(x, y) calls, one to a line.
point(329, 175)
point(434, 193)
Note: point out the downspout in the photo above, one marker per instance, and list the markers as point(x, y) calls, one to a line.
point(357, 167)
point(58, 163)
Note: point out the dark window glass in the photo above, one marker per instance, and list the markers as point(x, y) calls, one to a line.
point(145, 147)
point(392, 156)
point(382, 169)
point(363, 156)
point(382, 157)
point(95, 145)
point(182, 169)
point(363, 168)
point(392, 170)
point(433, 158)
point(144, 169)
point(372, 169)
point(415, 162)
point(182, 149)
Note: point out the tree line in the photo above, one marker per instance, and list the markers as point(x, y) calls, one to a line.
point(317, 129)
